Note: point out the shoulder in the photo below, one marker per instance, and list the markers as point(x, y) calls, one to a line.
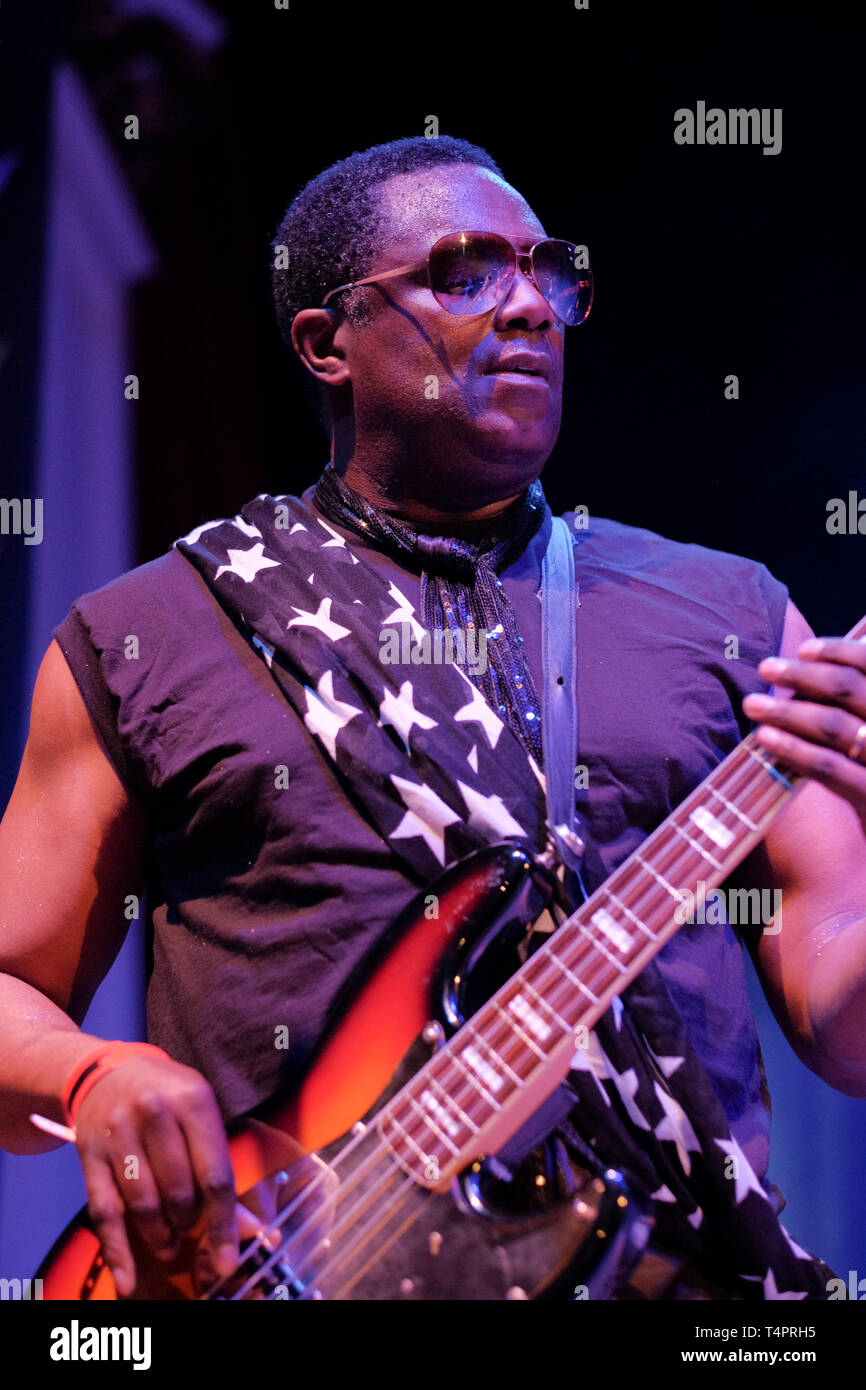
point(613, 543)
point(681, 577)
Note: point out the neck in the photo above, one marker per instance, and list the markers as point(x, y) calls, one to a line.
point(384, 488)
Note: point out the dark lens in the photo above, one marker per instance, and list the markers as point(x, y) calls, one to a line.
point(564, 279)
point(468, 271)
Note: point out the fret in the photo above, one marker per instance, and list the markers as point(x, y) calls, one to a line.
point(694, 844)
point(653, 936)
point(768, 766)
point(513, 1038)
point(466, 1119)
point(524, 1036)
point(457, 1079)
point(546, 1004)
point(745, 777)
point(498, 1059)
point(430, 1122)
point(669, 858)
point(457, 1059)
point(599, 946)
point(586, 965)
point(741, 815)
point(390, 1117)
point(674, 892)
point(554, 960)
point(649, 903)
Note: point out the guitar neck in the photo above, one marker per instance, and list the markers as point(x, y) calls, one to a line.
point(501, 1066)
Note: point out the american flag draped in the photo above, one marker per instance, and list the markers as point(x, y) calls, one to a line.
point(437, 772)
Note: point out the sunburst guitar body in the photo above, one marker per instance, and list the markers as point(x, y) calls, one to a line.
point(384, 1175)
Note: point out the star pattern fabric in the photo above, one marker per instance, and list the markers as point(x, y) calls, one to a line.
point(439, 774)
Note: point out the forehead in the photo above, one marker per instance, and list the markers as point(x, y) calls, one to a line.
point(419, 207)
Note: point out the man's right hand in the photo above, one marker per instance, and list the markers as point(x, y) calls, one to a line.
point(153, 1147)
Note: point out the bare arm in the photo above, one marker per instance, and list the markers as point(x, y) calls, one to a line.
point(814, 969)
point(73, 846)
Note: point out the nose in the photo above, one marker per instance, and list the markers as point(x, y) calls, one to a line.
point(524, 300)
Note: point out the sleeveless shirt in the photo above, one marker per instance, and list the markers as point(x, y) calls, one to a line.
point(266, 887)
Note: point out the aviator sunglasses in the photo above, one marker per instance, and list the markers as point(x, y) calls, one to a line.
point(471, 273)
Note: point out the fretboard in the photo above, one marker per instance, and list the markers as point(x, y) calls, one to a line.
point(501, 1065)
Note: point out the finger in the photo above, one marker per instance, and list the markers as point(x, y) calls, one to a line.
point(169, 1160)
point(137, 1186)
point(840, 684)
point(834, 770)
point(823, 724)
point(211, 1166)
point(250, 1226)
point(845, 650)
point(106, 1209)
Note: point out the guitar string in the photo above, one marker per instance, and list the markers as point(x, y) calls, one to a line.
point(760, 772)
point(332, 1201)
point(318, 1216)
point(346, 1220)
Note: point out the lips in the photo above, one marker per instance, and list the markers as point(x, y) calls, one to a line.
point(526, 363)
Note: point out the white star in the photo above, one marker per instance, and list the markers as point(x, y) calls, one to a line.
point(338, 539)
point(666, 1065)
point(199, 530)
point(772, 1292)
point(664, 1194)
point(399, 711)
point(427, 816)
point(696, 1218)
point(626, 1084)
point(537, 773)
point(247, 563)
point(247, 529)
point(592, 1059)
point(320, 619)
point(472, 758)
point(310, 579)
point(744, 1174)
point(403, 613)
point(489, 812)
point(326, 715)
point(267, 652)
point(298, 526)
point(797, 1249)
point(480, 712)
point(676, 1126)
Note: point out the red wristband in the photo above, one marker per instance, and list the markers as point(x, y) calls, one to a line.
point(97, 1064)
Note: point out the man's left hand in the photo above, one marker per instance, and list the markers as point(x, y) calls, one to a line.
point(822, 734)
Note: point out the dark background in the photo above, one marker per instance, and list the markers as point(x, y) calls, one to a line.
point(708, 261)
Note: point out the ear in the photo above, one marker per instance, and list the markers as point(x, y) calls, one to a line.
point(315, 340)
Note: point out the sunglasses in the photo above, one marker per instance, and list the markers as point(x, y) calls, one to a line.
point(471, 273)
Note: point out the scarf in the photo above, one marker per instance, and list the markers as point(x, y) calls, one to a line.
point(461, 589)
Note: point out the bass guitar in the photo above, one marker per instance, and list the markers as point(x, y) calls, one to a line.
point(375, 1178)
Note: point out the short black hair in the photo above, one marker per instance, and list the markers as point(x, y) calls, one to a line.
point(332, 230)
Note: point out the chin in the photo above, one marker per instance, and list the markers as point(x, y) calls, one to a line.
point(515, 456)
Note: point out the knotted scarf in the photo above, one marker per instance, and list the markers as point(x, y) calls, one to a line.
point(460, 588)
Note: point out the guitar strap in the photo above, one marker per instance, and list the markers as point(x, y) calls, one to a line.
point(559, 711)
point(431, 765)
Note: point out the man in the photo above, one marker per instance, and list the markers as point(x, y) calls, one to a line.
point(269, 876)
